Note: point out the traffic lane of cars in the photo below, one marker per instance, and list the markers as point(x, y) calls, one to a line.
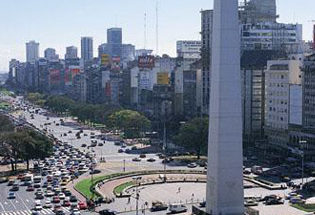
point(23, 200)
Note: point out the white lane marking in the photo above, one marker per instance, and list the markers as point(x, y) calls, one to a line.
point(1, 205)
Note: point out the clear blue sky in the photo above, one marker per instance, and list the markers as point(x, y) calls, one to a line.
point(61, 23)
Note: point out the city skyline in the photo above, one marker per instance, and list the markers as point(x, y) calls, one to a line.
point(45, 26)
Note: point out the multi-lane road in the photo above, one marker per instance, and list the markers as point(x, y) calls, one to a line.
point(115, 161)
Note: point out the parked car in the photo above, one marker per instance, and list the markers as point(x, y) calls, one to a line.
point(107, 212)
point(151, 160)
point(177, 208)
point(192, 165)
point(136, 159)
point(158, 206)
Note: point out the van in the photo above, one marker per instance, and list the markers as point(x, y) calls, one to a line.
point(177, 208)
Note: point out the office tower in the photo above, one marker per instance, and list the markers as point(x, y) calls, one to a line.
point(206, 40)
point(114, 41)
point(32, 51)
point(50, 54)
point(188, 49)
point(71, 52)
point(86, 48)
point(225, 193)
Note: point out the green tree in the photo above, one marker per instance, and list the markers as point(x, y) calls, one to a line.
point(193, 135)
point(6, 124)
point(132, 123)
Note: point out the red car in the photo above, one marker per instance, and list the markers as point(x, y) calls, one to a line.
point(66, 203)
point(56, 199)
point(30, 188)
point(82, 205)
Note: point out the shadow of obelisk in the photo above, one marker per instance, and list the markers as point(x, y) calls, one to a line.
point(225, 195)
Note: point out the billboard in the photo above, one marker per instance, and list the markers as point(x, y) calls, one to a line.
point(105, 59)
point(146, 61)
point(162, 78)
point(54, 77)
point(70, 73)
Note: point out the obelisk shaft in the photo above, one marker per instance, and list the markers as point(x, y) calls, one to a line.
point(225, 180)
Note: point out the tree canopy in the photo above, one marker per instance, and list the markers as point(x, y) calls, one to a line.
point(193, 135)
point(132, 123)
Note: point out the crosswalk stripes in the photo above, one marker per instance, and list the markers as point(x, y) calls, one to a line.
point(29, 212)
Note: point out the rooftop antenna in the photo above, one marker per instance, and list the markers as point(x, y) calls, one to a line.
point(157, 28)
point(145, 30)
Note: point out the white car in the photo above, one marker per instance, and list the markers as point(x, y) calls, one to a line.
point(75, 211)
point(38, 206)
point(48, 204)
point(50, 193)
point(62, 196)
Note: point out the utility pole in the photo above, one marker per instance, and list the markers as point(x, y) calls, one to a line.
point(302, 143)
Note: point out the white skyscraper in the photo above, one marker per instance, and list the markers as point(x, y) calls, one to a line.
point(225, 195)
point(32, 50)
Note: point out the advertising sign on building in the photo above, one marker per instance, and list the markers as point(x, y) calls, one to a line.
point(162, 78)
point(54, 76)
point(144, 80)
point(146, 61)
point(105, 59)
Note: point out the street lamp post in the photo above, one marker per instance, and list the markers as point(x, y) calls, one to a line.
point(137, 194)
point(302, 143)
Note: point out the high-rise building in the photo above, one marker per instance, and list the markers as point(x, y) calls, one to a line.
point(128, 52)
point(50, 54)
point(225, 192)
point(272, 36)
point(206, 40)
point(103, 49)
point(86, 49)
point(114, 41)
point(283, 80)
point(71, 52)
point(255, 11)
point(188, 48)
point(309, 93)
point(32, 51)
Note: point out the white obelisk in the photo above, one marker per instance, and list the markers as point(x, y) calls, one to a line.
point(225, 195)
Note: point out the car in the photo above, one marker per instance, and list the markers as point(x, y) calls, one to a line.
point(158, 206)
point(177, 208)
point(38, 206)
point(37, 185)
point(57, 207)
point(82, 206)
point(107, 212)
point(75, 211)
point(275, 201)
point(48, 204)
point(3, 180)
point(100, 144)
point(120, 150)
point(34, 212)
point(61, 196)
point(136, 159)
point(56, 199)
point(250, 203)
point(49, 193)
point(151, 160)
point(73, 199)
point(30, 188)
point(39, 196)
point(15, 187)
point(296, 200)
point(66, 203)
point(192, 165)
point(142, 156)
point(83, 145)
point(11, 195)
point(67, 192)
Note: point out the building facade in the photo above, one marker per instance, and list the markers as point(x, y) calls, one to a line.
point(86, 49)
point(188, 49)
point(114, 41)
point(32, 51)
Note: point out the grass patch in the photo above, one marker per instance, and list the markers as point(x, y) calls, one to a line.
point(304, 207)
point(4, 105)
point(120, 188)
point(86, 186)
